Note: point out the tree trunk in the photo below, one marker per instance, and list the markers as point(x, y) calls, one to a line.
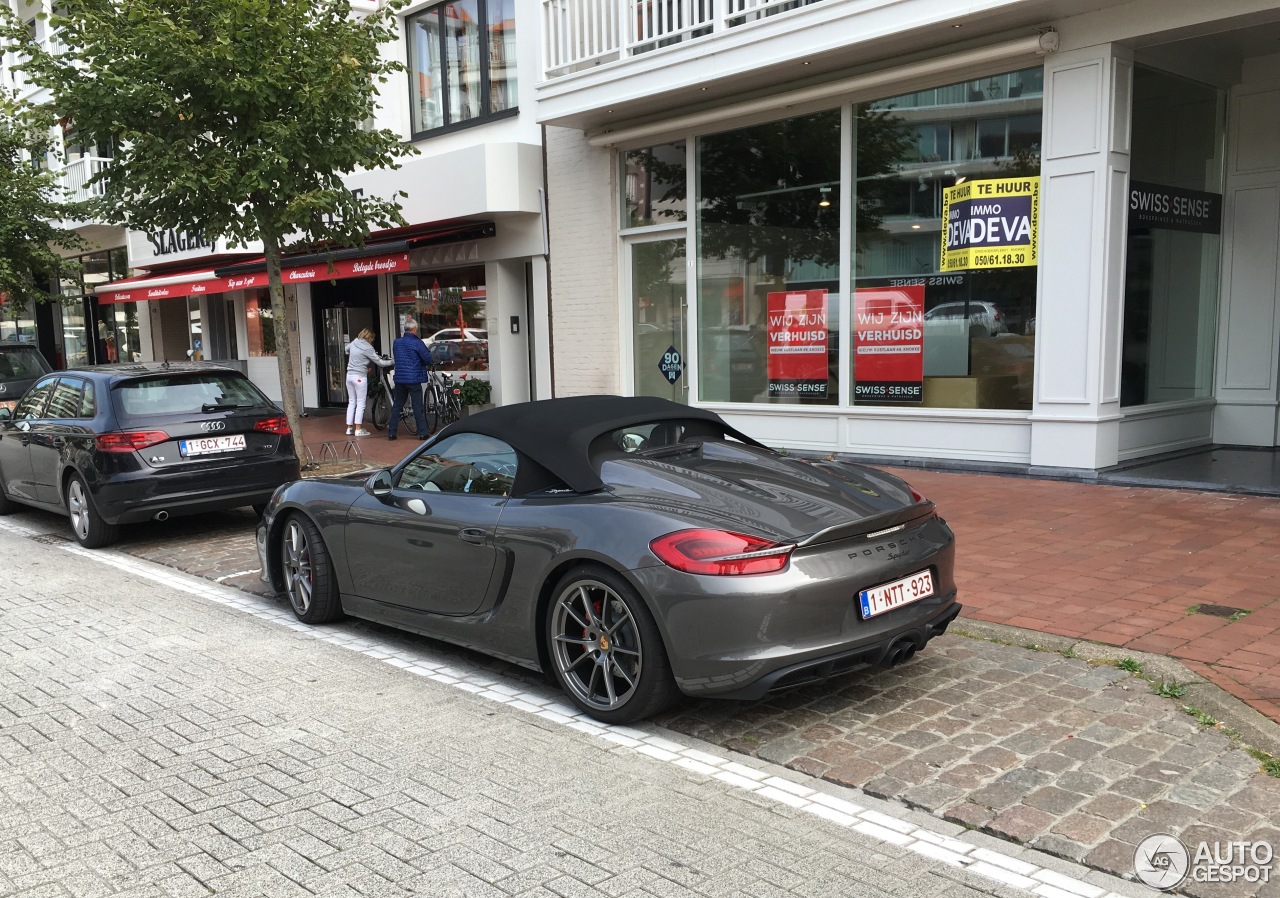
point(284, 346)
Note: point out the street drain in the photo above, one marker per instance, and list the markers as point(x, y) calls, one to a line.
point(1221, 610)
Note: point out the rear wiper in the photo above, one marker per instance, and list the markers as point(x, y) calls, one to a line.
point(672, 449)
point(222, 406)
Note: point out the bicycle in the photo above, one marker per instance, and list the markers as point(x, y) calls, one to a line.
point(443, 405)
point(380, 400)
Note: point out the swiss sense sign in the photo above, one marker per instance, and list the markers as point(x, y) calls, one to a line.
point(140, 291)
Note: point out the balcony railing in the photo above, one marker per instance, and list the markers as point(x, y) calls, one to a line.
point(76, 174)
point(579, 34)
point(17, 79)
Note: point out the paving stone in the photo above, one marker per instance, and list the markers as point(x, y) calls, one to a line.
point(967, 776)
point(1020, 823)
point(1082, 782)
point(1111, 854)
point(1079, 749)
point(1142, 789)
point(1025, 778)
point(1057, 802)
point(1050, 762)
point(968, 814)
point(1129, 753)
point(932, 796)
point(998, 795)
point(1084, 829)
point(1112, 807)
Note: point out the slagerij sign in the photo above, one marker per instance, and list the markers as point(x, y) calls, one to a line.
point(1174, 208)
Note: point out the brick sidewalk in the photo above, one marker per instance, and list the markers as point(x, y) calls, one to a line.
point(1126, 566)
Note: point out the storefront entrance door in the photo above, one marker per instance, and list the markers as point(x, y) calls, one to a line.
point(658, 316)
point(342, 309)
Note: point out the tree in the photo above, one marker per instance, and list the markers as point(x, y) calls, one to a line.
point(33, 206)
point(237, 117)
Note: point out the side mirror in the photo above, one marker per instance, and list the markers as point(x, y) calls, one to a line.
point(379, 484)
point(5, 413)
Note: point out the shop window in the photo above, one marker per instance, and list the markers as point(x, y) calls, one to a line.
point(1172, 259)
point(450, 310)
point(653, 185)
point(462, 63)
point(768, 273)
point(121, 334)
point(922, 335)
point(259, 324)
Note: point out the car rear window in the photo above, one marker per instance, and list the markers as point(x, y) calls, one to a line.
point(21, 362)
point(194, 393)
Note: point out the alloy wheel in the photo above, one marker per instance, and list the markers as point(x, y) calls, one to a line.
point(78, 508)
point(299, 568)
point(596, 645)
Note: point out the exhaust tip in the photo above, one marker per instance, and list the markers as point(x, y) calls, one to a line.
point(162, 516)
point(899, 653)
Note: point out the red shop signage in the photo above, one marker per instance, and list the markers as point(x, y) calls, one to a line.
point(888, 346)
point(797, 343)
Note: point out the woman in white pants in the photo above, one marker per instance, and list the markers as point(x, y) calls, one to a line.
point(360, 355)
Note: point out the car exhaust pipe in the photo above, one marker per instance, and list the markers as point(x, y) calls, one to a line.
point(162, 516)
point(899, 653)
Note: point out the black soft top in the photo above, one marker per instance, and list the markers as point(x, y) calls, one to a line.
point(556, 434)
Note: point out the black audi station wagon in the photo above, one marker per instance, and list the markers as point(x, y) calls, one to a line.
point(119, 444)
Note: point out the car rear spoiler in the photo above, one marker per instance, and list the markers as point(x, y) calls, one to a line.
point(876, 525)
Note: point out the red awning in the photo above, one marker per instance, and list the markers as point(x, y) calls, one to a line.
point(200, 282)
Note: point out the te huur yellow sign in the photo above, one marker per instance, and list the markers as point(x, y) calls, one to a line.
point(990, 224)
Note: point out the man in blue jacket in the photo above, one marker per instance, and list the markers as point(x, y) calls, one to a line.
point(412, 359)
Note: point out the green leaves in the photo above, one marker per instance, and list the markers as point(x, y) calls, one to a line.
point(229, 115)
point(33, 205)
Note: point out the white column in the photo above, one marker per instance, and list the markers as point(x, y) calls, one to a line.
point(583, 218)
point(508, 352)
point(1084, 182)
point(1248, 366)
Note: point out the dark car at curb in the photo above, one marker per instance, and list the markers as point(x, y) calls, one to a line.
point(118, 444)
point(635, 548)
point(20, 365)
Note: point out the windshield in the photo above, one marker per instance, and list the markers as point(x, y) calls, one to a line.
point(19, 362)
point(189, 394)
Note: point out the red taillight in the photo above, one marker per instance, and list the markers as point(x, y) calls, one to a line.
point(720, 552)
point(273, 425)
point(130, 441)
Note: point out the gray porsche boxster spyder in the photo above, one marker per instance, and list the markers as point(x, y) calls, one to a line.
point(636, 548)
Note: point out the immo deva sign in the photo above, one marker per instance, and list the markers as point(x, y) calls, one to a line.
point(990, 224)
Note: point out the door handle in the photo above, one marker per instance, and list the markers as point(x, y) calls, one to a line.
point(472, 535)
point(58, 442)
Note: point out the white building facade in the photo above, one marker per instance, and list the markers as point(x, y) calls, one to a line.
point(749, 202)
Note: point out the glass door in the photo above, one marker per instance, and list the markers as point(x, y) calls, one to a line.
point(658, 316)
